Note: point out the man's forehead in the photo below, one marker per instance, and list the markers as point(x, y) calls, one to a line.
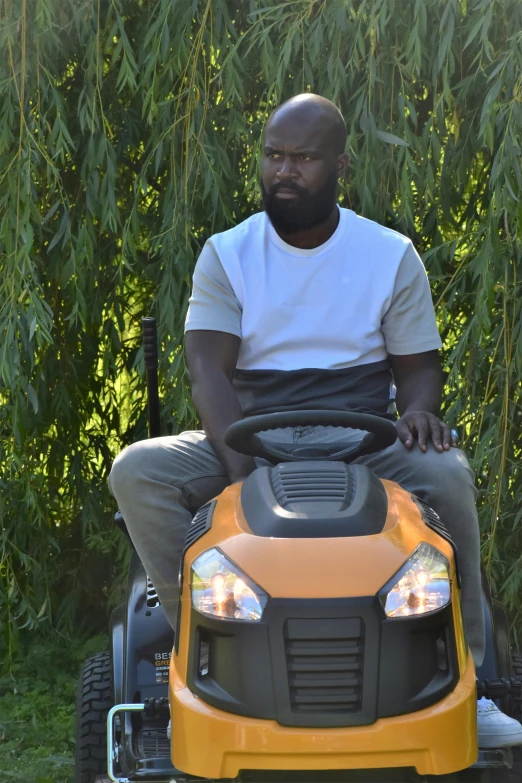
point(291, 133)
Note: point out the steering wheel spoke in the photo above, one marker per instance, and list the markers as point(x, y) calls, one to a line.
point(244, 435)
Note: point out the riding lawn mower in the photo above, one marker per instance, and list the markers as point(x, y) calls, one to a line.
point(319, 635)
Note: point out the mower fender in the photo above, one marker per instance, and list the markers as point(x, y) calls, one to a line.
point(147, 637)
point(147, 640)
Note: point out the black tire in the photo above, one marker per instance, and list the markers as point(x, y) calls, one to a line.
point(516, 664)
point(95, 699)
point(516, 660)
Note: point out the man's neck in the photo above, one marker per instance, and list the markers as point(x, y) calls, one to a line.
point(309, 238)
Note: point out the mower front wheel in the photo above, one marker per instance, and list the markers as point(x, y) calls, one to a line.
point(95, 699)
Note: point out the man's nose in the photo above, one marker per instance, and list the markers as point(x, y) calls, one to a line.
point(287, 170)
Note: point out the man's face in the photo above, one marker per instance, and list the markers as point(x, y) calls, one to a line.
point(299, 172)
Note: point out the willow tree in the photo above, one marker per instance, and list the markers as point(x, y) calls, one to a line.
point(129, 132)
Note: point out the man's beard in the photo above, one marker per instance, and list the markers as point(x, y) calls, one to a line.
point(304, 211)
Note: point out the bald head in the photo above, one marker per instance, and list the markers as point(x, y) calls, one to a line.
point(303, 159)
point(316, 113)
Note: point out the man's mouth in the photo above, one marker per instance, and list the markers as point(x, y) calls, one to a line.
point(286, 194)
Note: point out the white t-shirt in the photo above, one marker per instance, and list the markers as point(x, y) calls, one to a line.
point(327, 317)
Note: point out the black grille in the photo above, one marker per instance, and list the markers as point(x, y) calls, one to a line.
point(325, 664)
point(198, 527)
point(200, 524)
point(431, 517)
point(295, 485)
point(154, 743)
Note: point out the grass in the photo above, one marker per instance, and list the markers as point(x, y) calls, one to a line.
point(37, 711)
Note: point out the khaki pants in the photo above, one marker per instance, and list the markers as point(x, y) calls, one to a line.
point(160, 483)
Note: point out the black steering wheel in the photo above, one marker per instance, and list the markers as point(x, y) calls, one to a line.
point(243, 436)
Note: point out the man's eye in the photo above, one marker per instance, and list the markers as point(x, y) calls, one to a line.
point(305, 157)
point(274, 155)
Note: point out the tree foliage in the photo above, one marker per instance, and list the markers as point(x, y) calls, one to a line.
point(129, 133)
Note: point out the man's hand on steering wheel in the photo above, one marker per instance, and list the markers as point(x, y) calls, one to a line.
point(423, 426)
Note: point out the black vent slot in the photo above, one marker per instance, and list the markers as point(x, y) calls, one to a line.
point(435, 523)
point(204, 655)
point(198, 527)
point(293, 484)
point(200, 524)
point(154, 743)
point(431, 517)
point(152, 597)
point(325, 661)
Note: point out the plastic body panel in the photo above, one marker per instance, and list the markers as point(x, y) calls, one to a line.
point(317, 567)
point(437, 740)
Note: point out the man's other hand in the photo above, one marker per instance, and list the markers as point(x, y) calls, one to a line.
point(423, 426)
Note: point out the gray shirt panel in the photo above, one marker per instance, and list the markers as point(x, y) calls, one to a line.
point(213, 304)
point(409, 324)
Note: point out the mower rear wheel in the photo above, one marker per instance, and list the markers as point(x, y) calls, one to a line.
point(95, 699)
point(516, 669)
point(516, 663)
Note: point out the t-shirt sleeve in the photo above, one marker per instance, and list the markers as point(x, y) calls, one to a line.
point(213, 304)
point(409, 325)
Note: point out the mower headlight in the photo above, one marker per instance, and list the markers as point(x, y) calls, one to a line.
point(220, 589)
point(422, 585)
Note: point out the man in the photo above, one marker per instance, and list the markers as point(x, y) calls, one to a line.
point(306, 306)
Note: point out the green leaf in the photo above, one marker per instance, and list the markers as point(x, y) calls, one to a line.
point(51, 211)
point(390, 138)
point(61, 233)
point(510, 189)
point(33, 399)
point(474, 31)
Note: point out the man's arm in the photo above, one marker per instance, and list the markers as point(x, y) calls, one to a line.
point(419, 382)
point(211, 358)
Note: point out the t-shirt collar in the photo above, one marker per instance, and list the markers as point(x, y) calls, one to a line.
point(313, 251)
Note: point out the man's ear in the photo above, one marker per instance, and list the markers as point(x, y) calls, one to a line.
point(343, 162)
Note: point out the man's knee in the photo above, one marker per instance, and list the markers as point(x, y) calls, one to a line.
point(447, 475)
point(454, 466)
point(129, 466)
point(446, 463)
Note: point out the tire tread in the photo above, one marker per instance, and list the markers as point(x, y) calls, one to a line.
point(95, 699)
